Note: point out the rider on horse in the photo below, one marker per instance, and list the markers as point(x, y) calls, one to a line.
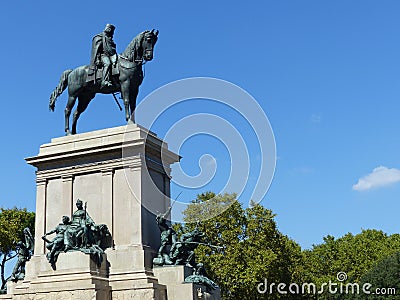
point(104, 53)
point(127, 79)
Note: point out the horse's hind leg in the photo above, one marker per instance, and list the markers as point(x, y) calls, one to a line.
point(68, 108)
point(83, 103)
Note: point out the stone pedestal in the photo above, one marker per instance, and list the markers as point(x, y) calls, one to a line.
point(77, 277)
point(10, 287)
point(173, 278)
point(123, 175)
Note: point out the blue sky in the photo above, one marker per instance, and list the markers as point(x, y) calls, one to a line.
point(326, 73)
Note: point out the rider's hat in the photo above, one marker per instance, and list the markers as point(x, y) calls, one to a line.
point(112, 27)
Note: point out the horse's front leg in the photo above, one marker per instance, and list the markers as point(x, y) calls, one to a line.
point(125, 93)
point(68, 108)
point(132, 101)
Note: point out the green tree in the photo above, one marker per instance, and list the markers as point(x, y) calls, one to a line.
point(253, 248)
point(384, 276)
point(12, 223)
point(353, 254)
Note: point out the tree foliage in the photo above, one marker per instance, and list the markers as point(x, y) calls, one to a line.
point(353, 254)
point(384, 278)
point(12, 223)
point(253, 248)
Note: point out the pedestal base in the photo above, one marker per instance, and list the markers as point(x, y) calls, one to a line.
point(173, 278)
point(77, 277)
point(129, 277)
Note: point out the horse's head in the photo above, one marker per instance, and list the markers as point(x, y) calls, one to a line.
point(148, 42)
point(141, 47)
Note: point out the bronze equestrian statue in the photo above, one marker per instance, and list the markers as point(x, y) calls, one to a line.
point(126, 77)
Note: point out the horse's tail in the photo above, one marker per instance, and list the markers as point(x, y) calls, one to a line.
point(62, 85)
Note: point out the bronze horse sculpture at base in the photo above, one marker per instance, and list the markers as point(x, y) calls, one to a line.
point(127, 82)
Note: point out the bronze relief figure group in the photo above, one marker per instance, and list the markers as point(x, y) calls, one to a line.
point(181, 252)
point(80, 233)
point(25, 250)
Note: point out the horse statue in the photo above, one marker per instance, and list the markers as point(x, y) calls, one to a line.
point(126, 80)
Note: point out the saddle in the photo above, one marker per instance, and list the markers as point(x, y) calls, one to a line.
point(95, 73)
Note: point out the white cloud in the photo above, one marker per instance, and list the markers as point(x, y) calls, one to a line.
point(380, 176)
